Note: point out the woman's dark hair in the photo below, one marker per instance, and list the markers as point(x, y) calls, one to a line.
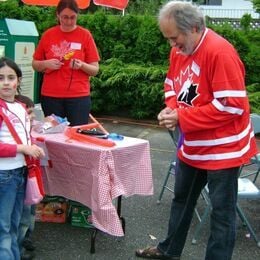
point(71, 4)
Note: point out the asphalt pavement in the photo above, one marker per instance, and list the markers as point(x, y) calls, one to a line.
point(146, 220)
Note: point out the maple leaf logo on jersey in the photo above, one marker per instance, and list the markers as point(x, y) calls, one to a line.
point(188, 91)
point(61, 50)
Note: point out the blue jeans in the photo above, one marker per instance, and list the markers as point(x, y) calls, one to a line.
point(189, 182)
point(12, 190)
point(27, 223)
point(75, 109)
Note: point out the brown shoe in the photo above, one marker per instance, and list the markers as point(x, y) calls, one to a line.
point(152, 252)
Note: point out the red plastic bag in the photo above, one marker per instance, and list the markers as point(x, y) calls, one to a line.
point(34, 187)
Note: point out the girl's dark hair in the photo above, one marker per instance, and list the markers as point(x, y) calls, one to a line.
point(71, 4)
point(4, 61)
point(26, 100)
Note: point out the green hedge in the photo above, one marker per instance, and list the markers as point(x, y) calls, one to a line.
point(254, 97)
point(128, 89)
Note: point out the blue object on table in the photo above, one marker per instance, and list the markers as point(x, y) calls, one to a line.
point(115, 136)
point(59, 119)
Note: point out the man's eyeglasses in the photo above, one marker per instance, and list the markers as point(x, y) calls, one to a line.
point(66, 17)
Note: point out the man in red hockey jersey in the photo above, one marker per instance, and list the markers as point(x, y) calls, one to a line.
point(206, 98)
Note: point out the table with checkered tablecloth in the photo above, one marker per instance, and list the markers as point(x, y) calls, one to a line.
point(95, 176)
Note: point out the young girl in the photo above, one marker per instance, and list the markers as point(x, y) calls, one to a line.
point(12, 162)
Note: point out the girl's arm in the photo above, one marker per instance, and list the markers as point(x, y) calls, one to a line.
point(8, 150)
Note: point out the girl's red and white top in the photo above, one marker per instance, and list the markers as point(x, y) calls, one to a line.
point(16, 112)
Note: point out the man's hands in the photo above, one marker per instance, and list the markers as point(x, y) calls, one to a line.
point(168, 118)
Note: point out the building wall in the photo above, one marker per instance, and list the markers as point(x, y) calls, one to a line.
point(230, 9)
point(235, 4)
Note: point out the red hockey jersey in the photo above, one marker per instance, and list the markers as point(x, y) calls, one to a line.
point(208, 90)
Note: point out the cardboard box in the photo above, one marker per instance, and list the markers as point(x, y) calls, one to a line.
point(52, 209)
point(80, 215)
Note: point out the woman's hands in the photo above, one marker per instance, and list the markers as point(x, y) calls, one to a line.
point(76, 64)
point(89, 68)
point(42, 65)
point(53, 64)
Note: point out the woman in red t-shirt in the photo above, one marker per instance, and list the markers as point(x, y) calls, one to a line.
point(68, 57)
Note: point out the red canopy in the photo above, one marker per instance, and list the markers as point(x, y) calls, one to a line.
point(118, 4)
point(83, 4)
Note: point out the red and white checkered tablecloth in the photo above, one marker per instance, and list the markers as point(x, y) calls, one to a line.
point(95, 175)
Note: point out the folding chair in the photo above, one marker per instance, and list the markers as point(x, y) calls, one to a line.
point(175, 134)
point(255, 161)
point(246, 190)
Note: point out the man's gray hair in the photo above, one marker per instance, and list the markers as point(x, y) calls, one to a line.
point(185, 15)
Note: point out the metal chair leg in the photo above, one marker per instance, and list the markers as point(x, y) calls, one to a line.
point(247, 223)
point(201, 223)
point(202, 219)
point(165, 182)
point(93, 239)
